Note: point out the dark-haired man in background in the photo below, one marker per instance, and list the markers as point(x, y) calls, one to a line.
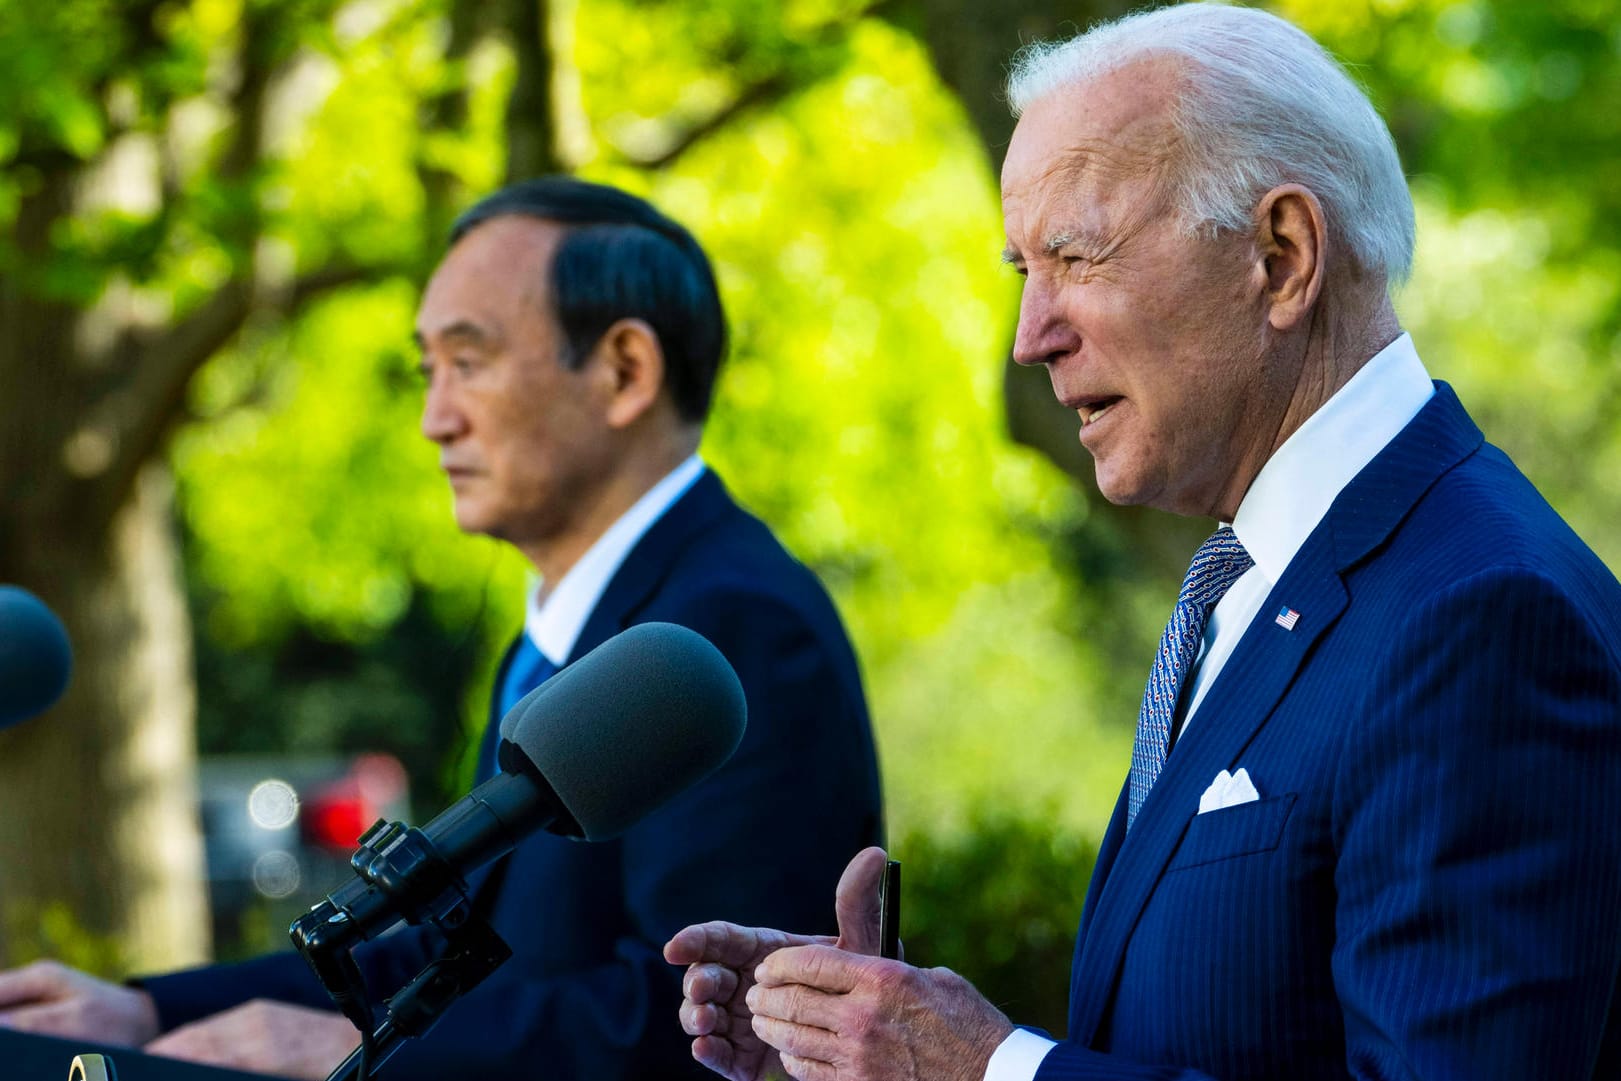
point(570, 342)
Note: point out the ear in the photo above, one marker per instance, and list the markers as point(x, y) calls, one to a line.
point(1292, 238)
point(632, 363)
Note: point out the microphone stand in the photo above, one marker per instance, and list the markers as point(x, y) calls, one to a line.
point(401, 876)
point(473, 953)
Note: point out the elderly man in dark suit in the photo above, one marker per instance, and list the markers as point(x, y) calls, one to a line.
point(1372, 824)
point(570, 341)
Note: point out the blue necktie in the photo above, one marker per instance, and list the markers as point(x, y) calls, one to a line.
point(527, 670)
point(1215, 567)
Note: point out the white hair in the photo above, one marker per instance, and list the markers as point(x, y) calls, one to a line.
point(1263, 104)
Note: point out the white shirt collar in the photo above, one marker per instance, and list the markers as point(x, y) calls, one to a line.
point(554, 624)
point(1303, 477)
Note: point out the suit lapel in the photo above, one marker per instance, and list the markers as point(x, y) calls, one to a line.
point(645, 566)
point(649, 562)
point(1252, 684)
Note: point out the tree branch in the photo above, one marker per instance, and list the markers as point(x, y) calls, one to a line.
point(163, 367)
point(531, 123)
point(143, 398)
point(767, 90)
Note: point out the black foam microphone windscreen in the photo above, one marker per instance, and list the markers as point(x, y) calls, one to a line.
point(35, 657)
point(648, 713)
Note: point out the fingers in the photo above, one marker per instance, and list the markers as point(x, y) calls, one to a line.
point(710, 983)
point(265, 1037)
point(798, 1041)
point(725, 959)
point(855, 901)
point(714, 1054)
point(196, 1042)
point(48, 1020)
point(826, 968)
point(71, 1020)
point(795, 1005)
point(728, 944)
point(705, 990)
point(704, 1019)
point(50, 998)
point(32, 983)
point(723, 943)
point(809, 1069)
point(893, 1021)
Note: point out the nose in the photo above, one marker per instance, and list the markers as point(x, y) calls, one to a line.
point(442, 420)
point(1045, 333)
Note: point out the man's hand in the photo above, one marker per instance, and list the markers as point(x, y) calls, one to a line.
point(837, 1016)
point(54, 1000)
point(721, 959)
point(264, 1036)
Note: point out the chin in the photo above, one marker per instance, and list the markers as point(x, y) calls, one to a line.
point(469, 520)
point(1122, 492)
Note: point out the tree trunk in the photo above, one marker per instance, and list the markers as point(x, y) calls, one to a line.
point(970, 44)
point(97, 809)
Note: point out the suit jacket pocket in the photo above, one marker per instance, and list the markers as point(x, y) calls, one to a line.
point(1251, 827)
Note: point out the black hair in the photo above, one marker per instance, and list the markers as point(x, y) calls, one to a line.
point(619, 258)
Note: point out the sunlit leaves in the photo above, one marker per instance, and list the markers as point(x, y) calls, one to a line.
point(1521, 336)
point(853, 220)
point(855, 230)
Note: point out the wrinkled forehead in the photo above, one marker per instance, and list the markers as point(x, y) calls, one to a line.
point(1111, 131)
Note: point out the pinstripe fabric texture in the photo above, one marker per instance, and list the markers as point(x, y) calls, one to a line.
point(1428, 886)
point(1214, 568)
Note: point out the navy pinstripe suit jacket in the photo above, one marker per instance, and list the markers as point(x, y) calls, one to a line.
point(1430, 884)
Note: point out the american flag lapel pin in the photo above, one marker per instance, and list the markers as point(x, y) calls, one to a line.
point(1287, 618)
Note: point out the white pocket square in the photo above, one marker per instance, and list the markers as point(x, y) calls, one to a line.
point(1228, 790)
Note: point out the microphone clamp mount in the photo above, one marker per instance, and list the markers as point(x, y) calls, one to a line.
point(400, 874)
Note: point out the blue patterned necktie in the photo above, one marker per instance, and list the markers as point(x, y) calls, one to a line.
point(1215, 567)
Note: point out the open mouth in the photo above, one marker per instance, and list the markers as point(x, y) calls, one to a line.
point(1090, 411)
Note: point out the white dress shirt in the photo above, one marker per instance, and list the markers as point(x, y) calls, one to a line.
point(554, 622)
point(1279, 512)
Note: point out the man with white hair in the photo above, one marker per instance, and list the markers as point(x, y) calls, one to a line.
point(1370, 824)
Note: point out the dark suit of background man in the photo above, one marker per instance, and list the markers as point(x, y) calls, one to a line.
point(1386, 842)
point(570, 341)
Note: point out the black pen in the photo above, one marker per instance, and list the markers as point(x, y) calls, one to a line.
point(889, 911)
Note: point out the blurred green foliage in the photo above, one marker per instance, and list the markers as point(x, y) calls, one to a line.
point(52, 931)
point(999, 902)
point(1504, 113)
point(853, 218)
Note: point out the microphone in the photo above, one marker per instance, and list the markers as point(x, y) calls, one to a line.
point(656, 708)
point(587, 754)
point(35, 657)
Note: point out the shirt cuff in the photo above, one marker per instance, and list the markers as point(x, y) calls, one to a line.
point(1018, 1057)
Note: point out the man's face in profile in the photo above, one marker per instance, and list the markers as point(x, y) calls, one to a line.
point(1154, 335)
point(520, 434)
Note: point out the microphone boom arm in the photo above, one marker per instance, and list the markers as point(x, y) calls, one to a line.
point(403, 872)
point(682, 717)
